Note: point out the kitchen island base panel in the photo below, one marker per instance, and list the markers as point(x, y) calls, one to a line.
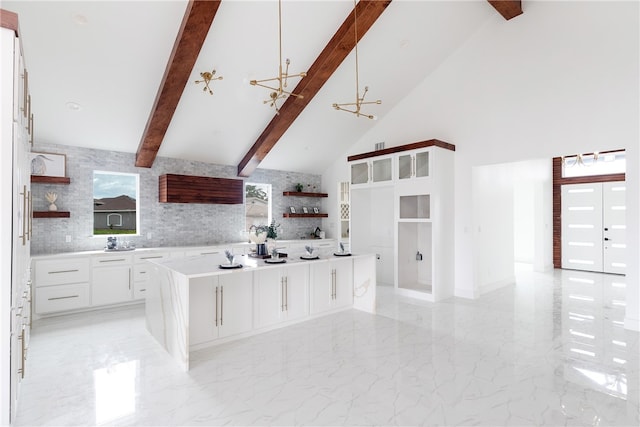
point(167, 308)
point(187, 308)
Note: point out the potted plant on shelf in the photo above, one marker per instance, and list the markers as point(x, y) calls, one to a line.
point(299, 187)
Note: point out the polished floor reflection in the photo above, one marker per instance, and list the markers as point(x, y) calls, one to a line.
point(550, 350)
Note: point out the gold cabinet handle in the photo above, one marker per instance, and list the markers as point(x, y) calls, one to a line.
point(216, 314)
point(25, 93)
point(62, 271)
point(31, 131)
point(30, 215)
point(28, 114)
point(24, 216)
point(281, 293)
point(67, 297)
point(286, 293)
point(221, 304)
point(23, 356)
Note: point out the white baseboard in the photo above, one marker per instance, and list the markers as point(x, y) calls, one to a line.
point(489, 287)
point(465, 293)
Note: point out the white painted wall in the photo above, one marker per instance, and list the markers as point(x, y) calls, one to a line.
point(560, 79)
point(493, 226)
point(533, 213)
point(523, 219)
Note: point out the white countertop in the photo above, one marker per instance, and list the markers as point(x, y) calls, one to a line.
point(207, 265)
point(186, 248)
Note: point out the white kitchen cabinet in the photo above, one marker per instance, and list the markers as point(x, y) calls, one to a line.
point(280, 294)
point(220, 306)
point(372, 171)
point(15, 215)
point(413, 164)
point(62, 284)
point(111, 279)
point(51, 299)
point(62, 271)
point(423, 211)
point(408, 223)
point(142, 272)
point(331, 284)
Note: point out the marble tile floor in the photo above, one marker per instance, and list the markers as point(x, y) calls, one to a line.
point(550, 350)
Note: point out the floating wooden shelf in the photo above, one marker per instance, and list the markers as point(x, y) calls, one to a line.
point(304, 194)
point(305, 215)
point(41, 179)
point(51, 214)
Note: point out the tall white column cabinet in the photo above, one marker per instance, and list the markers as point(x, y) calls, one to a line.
point(410, 213)
point(15, 216)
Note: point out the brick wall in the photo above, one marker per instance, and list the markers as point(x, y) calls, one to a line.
point(169, 224)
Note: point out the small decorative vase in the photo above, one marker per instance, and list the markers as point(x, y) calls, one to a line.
point(53, 207)
point(261, 248)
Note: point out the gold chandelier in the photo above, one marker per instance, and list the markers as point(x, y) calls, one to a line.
point(359, 99)
point(207, 77)
point(279, 91)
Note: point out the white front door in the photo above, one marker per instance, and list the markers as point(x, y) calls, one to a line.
point(593, 227)
point(614, 227)
point(582, 226)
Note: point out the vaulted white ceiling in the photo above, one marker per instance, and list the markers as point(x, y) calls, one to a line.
point(108, 57)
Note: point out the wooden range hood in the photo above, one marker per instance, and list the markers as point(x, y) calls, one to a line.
point(174, 188)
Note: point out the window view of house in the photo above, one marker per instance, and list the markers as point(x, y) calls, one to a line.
point(115, 203)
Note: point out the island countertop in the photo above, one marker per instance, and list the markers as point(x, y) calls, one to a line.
point(207, 265)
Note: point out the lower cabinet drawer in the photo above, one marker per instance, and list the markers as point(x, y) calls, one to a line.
point(63, 297)
point(62, 271)
point(141, 272)
point(139, 289)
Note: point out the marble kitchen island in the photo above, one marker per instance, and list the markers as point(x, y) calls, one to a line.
point(193, 303)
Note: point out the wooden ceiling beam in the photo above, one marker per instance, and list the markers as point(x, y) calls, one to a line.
point(507, 8)
point(192, 34)
point(338, 48)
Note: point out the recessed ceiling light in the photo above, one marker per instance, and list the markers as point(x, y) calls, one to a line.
point(74, 106)
point(80, 19)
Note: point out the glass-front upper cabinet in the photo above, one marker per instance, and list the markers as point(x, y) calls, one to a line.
point(360, 173)
point(382, 170)
point(413, 165)
point(370, 171)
